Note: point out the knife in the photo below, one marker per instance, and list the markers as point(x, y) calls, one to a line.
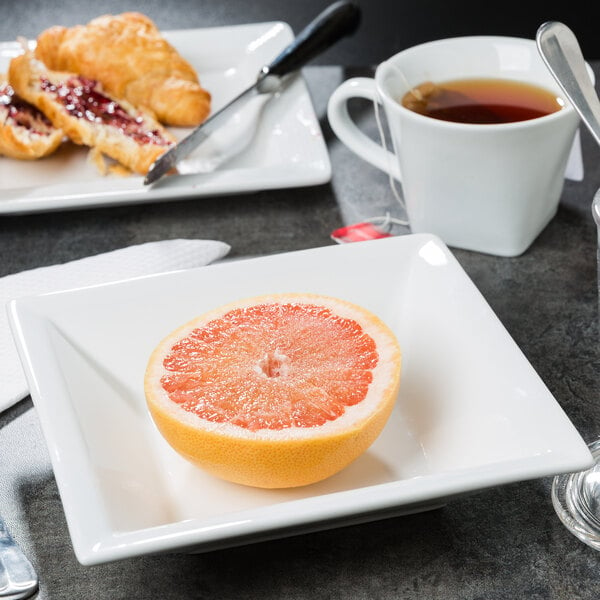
point(338, 20)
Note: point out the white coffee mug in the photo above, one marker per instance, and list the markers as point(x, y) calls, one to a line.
point(489, 188)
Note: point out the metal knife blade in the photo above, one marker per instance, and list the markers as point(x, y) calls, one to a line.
point(338, 20)
point(171, 157)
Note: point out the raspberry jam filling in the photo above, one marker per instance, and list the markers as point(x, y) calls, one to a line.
point(81, 98)
point(22, 113)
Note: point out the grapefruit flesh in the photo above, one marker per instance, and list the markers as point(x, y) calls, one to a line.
point(275, 391)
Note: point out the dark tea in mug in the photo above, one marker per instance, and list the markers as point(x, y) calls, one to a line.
point(481, 101)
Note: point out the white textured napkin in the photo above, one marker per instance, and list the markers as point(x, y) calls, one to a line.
point(134, 261)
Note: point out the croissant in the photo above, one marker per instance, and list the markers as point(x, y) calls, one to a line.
point(132, 60)
point(88, 115)
point(25, 133)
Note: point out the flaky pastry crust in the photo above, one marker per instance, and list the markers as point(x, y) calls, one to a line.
point(31, 80)
point(27, 135)
point(132, 60)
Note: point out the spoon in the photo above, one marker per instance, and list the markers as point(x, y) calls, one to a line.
point(17, 577)
point(575, 496)
point(560, 51)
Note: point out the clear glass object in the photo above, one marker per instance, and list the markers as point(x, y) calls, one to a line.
point(576, 496)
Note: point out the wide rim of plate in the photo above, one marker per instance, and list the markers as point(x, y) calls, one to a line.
point(311, 168)
point(94, 539)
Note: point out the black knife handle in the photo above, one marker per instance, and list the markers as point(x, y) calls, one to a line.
point(338, 20)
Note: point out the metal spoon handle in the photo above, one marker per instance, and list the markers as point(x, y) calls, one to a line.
point(17, 577)
point(560, 51)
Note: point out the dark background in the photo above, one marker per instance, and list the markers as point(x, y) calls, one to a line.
point(388, 25)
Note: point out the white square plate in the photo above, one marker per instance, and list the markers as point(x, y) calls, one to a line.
point(286, 150)
point(471, 412)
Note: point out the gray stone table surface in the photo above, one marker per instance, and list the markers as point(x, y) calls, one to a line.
point(500, 543)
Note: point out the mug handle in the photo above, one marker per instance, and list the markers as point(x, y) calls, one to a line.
point(349, 133)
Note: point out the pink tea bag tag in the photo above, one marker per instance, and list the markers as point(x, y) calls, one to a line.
point(359, 232)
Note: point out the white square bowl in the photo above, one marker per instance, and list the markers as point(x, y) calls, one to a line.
point(471, 412)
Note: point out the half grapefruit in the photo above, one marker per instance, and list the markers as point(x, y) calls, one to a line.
point(275, 391)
